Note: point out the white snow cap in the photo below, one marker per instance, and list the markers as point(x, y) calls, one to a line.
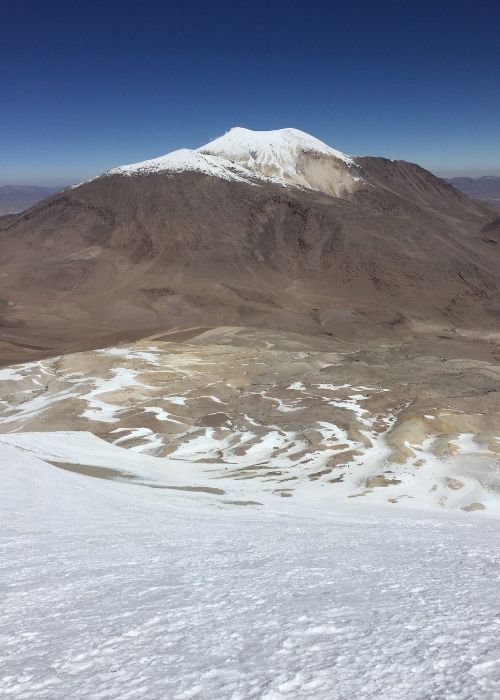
point(287, 157)
point(280, 148)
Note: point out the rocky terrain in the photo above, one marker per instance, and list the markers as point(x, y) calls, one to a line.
point(243, 416)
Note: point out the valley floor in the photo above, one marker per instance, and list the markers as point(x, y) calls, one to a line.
point(110, 590)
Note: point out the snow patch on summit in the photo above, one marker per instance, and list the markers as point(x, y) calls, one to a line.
point(287, 157)
point(279, 148)
point(185, 160)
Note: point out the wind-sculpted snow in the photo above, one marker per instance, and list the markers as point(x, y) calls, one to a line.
point(259, 424)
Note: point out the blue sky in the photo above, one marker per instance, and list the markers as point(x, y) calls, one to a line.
point(85, 86)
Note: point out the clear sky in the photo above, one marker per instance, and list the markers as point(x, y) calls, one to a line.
point(87, 85)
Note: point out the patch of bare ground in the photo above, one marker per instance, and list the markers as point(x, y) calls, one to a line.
point(97, 472)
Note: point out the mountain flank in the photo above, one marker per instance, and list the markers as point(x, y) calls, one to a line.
point(264, 229)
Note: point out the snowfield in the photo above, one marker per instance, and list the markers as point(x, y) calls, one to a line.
point(118, 590)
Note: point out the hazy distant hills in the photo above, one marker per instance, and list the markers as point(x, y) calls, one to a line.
point(486, 188)
point(16, 198)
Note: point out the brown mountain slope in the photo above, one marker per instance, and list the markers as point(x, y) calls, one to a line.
point(123, 256)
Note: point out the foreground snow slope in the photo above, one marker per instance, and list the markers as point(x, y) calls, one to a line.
point(118, 591)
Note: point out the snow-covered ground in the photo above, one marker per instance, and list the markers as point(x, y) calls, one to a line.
point(117, 590)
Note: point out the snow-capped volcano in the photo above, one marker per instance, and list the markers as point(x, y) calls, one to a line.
point(288, 155)
point(285, 156)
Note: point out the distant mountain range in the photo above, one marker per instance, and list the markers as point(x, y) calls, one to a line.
point(17, 198)
point(486, 188)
